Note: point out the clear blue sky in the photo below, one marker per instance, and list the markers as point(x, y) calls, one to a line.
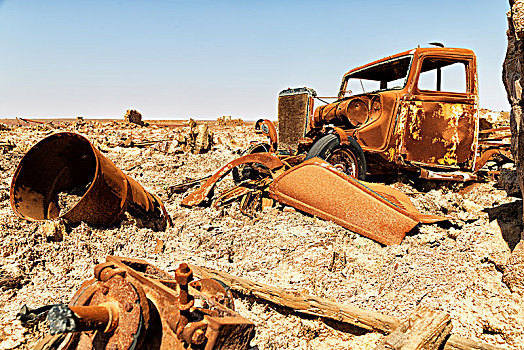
point(204, 59)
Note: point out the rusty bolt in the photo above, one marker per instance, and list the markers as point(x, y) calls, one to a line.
point(104, 289)
point(105, 271)
point(128, 306)
point(183, 275)
point(198, 337)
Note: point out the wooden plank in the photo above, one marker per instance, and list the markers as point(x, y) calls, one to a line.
point(311, 305)
point(425, 329)
point(306, 304)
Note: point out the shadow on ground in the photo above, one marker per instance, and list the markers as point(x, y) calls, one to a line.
point(509, 219)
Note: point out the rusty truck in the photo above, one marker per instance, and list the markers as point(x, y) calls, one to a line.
point(416, 111)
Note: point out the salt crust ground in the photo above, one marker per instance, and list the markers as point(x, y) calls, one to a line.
point(456, 269)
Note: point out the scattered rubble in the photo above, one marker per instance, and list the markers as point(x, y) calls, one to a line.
point(375, 211)
point(226, 120)
point(514, 270)
point(134, 117)
point(52, 230)
point(455, 267)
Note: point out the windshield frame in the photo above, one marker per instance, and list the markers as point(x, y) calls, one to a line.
point(357, 74)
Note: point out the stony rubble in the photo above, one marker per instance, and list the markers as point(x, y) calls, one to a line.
point(227, 120)
point(133, 116)
point(458, 267)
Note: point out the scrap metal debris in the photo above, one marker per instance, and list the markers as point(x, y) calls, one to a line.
point(65, 176)
point(318, 188)
point(131, 304)
point(426, 130)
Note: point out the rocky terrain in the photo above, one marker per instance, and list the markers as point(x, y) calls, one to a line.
point(456, 267)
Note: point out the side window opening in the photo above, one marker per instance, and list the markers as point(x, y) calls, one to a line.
point(443, 75)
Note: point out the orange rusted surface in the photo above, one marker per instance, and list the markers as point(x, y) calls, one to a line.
point(269, 160)
point(132, 304)
point(404, 120)
point(377, 212)
point(66, 161)
point(266, 127)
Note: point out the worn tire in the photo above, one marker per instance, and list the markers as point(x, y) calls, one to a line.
point(245, 171)
point(348, 158)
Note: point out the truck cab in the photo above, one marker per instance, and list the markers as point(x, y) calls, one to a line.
point(418, 108)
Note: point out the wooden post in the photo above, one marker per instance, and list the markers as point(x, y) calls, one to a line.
point(425, 329)
point(306, 304)
point(322, 307)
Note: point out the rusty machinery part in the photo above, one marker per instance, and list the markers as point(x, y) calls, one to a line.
point(230, 196)
point(267, 127)
point(375, 211)
point(251, 171)
point(346, 157)
point(251, 202)
point(216, 291)
point(132, 304)
point(489, 154)
point(447, 175)
point(183, 187)
point(269, 160)
point(104, 314)
point(242, 190)
point(66, 163)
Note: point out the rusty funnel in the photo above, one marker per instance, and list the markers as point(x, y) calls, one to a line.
point(66, 164)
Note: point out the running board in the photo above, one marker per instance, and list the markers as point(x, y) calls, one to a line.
point(447, 175)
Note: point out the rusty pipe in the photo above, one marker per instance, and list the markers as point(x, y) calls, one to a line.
point(65, 161)
point(66, 319)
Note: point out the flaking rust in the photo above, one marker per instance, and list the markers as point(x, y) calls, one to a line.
point(131, 304)
point(413, 117)
point(318, 188)
point(65, 176)
point(317, 160)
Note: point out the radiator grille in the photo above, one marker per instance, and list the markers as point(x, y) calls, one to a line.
point(293, 117)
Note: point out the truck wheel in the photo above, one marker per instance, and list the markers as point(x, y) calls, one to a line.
point(246, 171)
point(349, 158)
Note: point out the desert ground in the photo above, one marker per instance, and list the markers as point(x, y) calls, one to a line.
point(456, 267)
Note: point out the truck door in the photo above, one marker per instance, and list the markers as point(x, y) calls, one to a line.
point(442, 119)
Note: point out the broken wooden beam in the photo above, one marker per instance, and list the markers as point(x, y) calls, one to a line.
point(322, 307)
point(425, 329)
point(301, 303)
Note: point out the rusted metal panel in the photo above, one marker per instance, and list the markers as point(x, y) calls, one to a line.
point(266, 127)
point(440, 133)
point(67, 161)
point(269, 160)
point(319, 189)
